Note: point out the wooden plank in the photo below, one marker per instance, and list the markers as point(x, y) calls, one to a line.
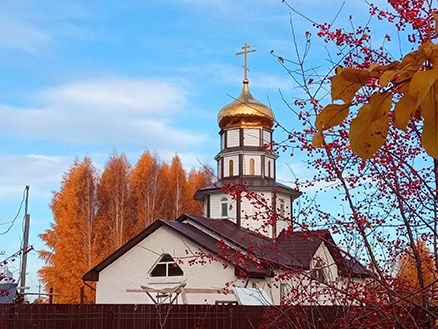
point(187, 290)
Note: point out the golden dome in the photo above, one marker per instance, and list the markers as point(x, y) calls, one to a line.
point(245, 111)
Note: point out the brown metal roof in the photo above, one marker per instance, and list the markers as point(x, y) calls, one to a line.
point(208, 242)
point(303, 245)
point(253, 184)
point(244, 264)
point(259, 245)
point(289, 250)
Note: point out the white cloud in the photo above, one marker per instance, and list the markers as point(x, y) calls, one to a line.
point(41, 172)
point(110, 111)
point(17, 34)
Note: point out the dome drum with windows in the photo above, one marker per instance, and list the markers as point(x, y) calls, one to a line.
point(245, 157)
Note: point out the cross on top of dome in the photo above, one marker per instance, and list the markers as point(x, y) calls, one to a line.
point(245, 53)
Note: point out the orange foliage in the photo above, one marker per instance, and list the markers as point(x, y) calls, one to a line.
point(196, 179)
point(70, 236)
point(114, 221)
point(409, 271)
point(145, 191)
point(93, 215)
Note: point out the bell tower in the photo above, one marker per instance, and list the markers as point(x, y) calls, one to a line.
point(246, 158)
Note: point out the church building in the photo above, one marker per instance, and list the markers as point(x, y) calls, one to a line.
point(245, 248)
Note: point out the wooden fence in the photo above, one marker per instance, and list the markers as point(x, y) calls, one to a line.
point(124, 316)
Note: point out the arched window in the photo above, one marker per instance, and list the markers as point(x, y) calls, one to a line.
point(165, 267)
point(318, 272)
point(269, 168)
point(251, 166)
point(224, 207)
point(231, 168)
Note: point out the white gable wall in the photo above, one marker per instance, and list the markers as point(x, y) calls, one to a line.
point(130, 271)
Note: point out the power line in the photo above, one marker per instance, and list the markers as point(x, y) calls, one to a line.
point(16, 216)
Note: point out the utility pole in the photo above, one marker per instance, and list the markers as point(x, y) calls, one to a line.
point(25, 242)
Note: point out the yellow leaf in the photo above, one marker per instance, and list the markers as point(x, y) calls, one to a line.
point(374, 67)
point(369, 129)
point(430, 51)
point(413, 59)
point(318, 139)
point(421, 83)
point(410, 65)
point(355, 75)
point(403, 111)
point(343, 89)
point(429, 112)
point(382, 68)
point(331, 115)
point(386, 77)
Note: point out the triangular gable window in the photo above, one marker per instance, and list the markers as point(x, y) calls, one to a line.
point(166, 266)
point(318, 272)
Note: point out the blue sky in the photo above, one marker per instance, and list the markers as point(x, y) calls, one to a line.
point(89, 77)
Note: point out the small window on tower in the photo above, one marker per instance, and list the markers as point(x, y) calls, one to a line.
point(251, 166)
point(166, 266)
point(224, 207)
point(231, 168)
point(269, 168)
point(281, 208)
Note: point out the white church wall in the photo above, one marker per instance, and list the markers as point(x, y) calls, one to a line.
point(283, 206)
point(130, 271)
point(258, 222)
point(309, 291)
point(269, 163)
point(257, 164)
point(266, 137)
point(235, 159)
point(251, 137)
point(233, 137)
point(216, 206)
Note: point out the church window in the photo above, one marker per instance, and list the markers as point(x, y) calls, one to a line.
point(251, 166)
point(318, 272)
point(166, 266)
point(281, 207)
point(231, 168)
point(269, 168)
point(224, 207)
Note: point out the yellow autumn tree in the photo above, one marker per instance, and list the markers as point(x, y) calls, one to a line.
point(114, 219)
point(174, 184)
point(408, 273)
point(408, 87)
point(145, 190)
point(196, 179)
point(69, 239)
point(94, 215)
